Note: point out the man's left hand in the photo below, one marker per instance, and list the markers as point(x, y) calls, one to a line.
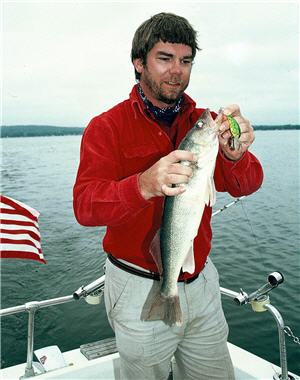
point(247, 133)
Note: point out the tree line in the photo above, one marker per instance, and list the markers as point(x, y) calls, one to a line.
point(49, 130)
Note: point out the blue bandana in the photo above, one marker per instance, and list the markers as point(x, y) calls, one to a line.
point(166, 115)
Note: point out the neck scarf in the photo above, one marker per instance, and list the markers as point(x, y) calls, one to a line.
point(165, 115)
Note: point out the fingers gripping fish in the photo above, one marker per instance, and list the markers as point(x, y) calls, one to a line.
point(182, 216)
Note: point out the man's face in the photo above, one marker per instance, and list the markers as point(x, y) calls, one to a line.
point(166, 74)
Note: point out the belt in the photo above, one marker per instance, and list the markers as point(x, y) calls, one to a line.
point(141, 273)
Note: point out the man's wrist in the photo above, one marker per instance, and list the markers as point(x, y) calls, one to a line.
point(146, 194)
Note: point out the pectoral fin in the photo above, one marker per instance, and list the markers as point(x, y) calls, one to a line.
point(212, 192)
point(189, 262)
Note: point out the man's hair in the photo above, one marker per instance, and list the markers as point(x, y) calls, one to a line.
point(165, 27)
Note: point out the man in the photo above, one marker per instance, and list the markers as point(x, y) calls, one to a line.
point(129, 163)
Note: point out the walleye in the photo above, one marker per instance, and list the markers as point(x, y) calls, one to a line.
point(182, 216)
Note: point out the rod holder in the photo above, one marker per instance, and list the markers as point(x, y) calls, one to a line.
point(31, 307)
point(90, 288)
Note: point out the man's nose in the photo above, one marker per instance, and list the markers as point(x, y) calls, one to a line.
point(176, 67)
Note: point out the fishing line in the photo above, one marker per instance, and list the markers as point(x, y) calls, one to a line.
point(254, 236)
point(261, 258)
point(250, 224)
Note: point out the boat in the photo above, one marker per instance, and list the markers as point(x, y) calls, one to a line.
point(100, 360)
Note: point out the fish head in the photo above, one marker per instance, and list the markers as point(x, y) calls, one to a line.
point(203, 134)
point(207, 121)
point(205, 129)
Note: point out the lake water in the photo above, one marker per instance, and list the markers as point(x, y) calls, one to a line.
point(252, 239)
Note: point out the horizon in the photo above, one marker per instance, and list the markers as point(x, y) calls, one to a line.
point(78, 126)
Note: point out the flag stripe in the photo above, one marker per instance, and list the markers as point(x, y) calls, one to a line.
point(17, 205)
point(7, 228)
point(17, 217)
point(19, 247)
point(12, 232)
point(16, 212)
point(20, 235)
point(21, 207)
point(21, 241)
point(3, 205)
point(19, 223)
point(21, 255)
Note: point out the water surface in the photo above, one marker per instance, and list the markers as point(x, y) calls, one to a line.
point(251, 240)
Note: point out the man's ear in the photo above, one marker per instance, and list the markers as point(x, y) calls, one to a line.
point(138, 65)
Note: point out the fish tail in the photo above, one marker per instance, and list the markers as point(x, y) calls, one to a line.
point(167, 309)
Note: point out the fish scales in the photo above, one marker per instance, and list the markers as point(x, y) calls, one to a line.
point(182, 216)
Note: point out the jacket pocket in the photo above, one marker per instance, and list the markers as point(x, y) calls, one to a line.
point(139, 158)
point(143, 150)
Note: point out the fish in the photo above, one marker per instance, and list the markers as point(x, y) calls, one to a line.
point(182, 216)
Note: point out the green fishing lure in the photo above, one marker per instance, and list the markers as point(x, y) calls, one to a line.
point(235, 132)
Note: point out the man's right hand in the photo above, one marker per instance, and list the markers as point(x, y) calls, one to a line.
point(168, 171)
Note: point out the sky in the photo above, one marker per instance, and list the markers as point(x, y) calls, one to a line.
point(63, 62)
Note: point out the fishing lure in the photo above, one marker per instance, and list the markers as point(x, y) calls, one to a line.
point(235, 132)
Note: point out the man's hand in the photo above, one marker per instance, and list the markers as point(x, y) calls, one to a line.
point(159, 178)
point(247, 133)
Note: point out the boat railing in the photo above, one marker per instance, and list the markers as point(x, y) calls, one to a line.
point(259, 300)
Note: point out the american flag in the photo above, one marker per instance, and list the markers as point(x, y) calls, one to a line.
point(20, 235)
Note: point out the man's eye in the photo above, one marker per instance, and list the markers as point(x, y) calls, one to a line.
point(164, 58)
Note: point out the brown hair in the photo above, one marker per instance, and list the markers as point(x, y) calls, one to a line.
point(165, 27)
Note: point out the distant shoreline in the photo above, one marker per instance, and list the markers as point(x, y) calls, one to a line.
point(38, 131)
point(49, 130)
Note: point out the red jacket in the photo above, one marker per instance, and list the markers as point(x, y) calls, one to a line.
point(123, 142)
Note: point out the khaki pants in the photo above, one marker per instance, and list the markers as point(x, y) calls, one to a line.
point(147, 347)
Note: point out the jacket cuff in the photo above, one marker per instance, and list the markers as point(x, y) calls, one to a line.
point(130, 193)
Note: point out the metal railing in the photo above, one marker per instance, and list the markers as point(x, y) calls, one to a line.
point(32, 307)
point(259, 300)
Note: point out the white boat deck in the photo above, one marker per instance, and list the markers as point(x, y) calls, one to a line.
point(247, 367)
point(100, 361)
